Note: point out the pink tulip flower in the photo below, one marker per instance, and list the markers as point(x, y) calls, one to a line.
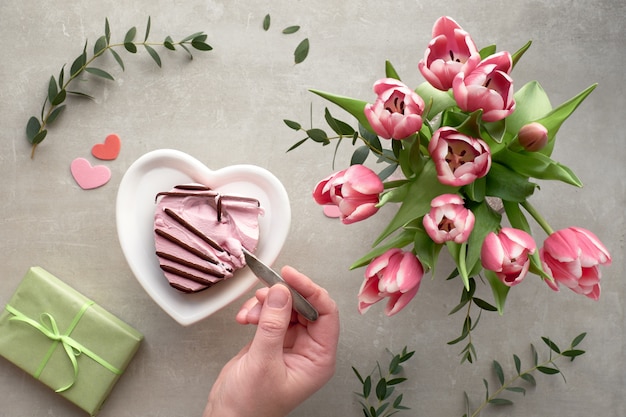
point(450, 52)
point(488, 87)
point(395, 275)
point(533, 137)
point(397, 112)
point(448, 219)
point(506, 253)
point(572, 257)
point(459, 159)
point(355, 191)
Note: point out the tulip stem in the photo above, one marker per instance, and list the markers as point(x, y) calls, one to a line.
point(538, 217)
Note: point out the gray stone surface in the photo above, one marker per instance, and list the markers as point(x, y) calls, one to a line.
point(226, 107)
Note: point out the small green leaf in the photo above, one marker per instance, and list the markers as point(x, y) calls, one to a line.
point(201, 45)
point(551, 344)
point(80, 94)
point(396, 381)
point(153, 54)
point(500, 401)
point(61, 76)
point(302, 51)
point(295, 145)
point(100, 45)
point(318, 135)
point(100, 73)
point(484, 305)
point(292, 124)
point(397, 401)
point(59, 98)
point(192, 36)
point(533, 351)
point(130, 47)
point(52, 89)
point(517, 389)
point(169, 43)
point(32, 128)
point(39, 137)
point(497, 368)
point(360, 155)
point(341, 128)
point(266, 22)
point(130, 35)
point(518, 363)
point(291, 29)
point(572, 353)
point(358, 375)
point(578, 339)
point(547, 370)
point(367, 386)
point(381, 389)
point(529, 378)
point(55, 113)
point(107, 30)
point(147, 31)
point(118, 58)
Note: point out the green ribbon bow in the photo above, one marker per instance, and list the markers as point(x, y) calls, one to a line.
point(48, 326)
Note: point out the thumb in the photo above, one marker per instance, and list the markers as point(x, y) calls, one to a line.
point(273, 324)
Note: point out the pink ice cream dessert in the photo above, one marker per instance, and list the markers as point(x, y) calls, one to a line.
point(199, 234)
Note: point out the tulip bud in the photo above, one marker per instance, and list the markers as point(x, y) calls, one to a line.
point(533, 136)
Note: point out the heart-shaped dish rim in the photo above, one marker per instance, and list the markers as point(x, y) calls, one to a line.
point(162, 169)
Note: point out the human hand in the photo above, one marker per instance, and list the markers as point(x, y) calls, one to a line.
point(289, 358)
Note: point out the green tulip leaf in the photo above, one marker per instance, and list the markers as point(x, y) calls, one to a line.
point(440, 99)
point(518, 54)
point(399, 241)
point(487, 220)
point(500, 291)
point(390, 71)
point(537, 165)
point(420, 192)
point(553, 120)
point(353, 106)
point(531, 103)
point(507, 184)
point(426, 249)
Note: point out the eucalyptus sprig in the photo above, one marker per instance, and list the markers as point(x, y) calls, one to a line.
point(58, 88)
point(548, 367)
point(467, 301)
point(377, 394)
point(370, 142)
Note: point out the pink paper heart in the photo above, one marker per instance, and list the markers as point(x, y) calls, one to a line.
point(108, 150)
point(88, 176)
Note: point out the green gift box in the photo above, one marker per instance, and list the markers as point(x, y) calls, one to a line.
point(65, 340)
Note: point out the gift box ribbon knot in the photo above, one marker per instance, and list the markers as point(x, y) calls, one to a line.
point(47, 325)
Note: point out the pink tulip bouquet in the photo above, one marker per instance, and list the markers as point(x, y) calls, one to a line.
point(460, 155)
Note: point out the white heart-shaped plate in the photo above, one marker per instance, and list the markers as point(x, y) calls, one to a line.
point(163, 169)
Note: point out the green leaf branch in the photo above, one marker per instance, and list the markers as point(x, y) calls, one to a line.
point(370, 142)
point(377, 397)
point(59, 88)
point(547, 367)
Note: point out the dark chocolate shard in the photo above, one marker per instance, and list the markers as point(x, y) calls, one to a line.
point(193, 230)
point(202, 255)
point(207, 270)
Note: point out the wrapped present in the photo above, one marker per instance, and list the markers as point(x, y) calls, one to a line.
point(65, 340)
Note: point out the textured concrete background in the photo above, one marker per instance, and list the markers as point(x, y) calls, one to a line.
point(226, 107)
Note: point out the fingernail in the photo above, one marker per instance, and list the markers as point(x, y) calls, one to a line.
point(278, 297)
